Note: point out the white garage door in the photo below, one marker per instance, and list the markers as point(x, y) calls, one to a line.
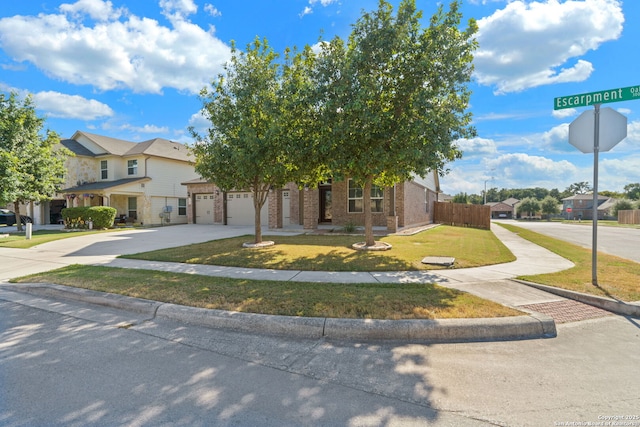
point(204, 208)
point(240, 210)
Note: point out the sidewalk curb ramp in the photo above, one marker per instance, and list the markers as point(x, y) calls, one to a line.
point(609, 304)
point(529, 326)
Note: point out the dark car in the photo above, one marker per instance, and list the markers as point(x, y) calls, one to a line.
point(9, 218)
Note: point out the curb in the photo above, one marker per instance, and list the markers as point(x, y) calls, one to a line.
point(609, 304)
point(136, 305)
point(530, 326)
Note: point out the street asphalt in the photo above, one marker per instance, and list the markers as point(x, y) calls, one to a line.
point(492, 282)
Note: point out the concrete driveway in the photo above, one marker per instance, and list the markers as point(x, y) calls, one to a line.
point(104, 247)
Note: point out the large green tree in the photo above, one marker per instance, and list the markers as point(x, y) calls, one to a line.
point(529, 206)
point(256, 141)
point(632, 191)
point(31, 163)
point(394, 98)
point(582, 187)
point(549, 206)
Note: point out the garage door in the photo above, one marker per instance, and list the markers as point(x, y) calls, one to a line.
point(204, 208)
point(240, 210)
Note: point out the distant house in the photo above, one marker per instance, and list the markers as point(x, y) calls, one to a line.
point(580, 206)
point(501, 210)
point(141, 180)
point(334, 202)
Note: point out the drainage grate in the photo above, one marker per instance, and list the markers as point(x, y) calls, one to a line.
point(567, 310)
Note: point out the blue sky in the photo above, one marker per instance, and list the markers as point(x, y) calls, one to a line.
point(132, 70)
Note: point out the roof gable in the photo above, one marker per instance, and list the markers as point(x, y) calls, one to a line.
point(76, 148)
point(90, 144)
point(160, 147)
point(109, 145)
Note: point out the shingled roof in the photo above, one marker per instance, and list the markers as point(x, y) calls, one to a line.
point(157, 147)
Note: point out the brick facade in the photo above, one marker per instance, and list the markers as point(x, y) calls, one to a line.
point(413, 206)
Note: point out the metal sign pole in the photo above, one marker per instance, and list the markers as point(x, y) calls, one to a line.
point(594, 243)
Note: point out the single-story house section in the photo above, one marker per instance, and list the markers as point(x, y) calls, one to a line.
point(501, 210)
point(336, 203)
point(141, 180)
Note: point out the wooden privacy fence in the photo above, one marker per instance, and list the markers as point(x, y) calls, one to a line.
point(462, 215)
point(629, 217)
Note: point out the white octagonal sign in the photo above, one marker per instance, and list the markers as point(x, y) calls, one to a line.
point(613, 129)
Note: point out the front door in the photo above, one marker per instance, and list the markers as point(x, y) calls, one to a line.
point(325, 204)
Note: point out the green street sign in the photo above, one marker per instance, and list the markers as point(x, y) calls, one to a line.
point(602, 97)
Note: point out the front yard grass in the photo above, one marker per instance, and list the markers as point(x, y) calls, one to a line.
point(362, 301)
point(469, 246)
point(18, 240)
point(618, 278)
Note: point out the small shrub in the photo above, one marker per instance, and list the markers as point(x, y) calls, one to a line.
point(350, 227)
point(79, 218)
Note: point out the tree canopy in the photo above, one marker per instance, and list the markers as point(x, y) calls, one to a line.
point(31, 165)
point(393, 99)
point(256, 121)
point(379, 109)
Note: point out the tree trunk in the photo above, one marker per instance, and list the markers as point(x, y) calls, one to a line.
point(260, 195)
point(258, 226)
point(16, 210)
point(368, 219)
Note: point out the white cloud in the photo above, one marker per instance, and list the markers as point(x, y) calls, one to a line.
point(519, 170)
point(57, 104)
point(96, 9)
point(131, 52)
point(146, 129)
point(530, 44)
point(614, 174)
point(476, 147)
point(309, 9)
point(212, 10)
point(557, 139)
point(178, 9)
point(199, 123)
point(563, 114)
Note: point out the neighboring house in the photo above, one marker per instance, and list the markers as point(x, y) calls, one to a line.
point(141, 180)
point(501, 210)
point(580, 206)
point(511, 201)
point(336, 203)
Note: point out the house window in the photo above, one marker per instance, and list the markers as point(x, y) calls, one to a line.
point(182, 206)
point(355, 200)
point(132, 167)
point(133, 208)
point(104, 171)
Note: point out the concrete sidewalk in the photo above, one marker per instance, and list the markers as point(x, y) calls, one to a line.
point(489, 282)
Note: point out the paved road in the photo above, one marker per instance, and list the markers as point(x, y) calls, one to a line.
point(622, 242)
point(69, 364)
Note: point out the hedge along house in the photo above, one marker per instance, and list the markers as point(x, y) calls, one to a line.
point(141, 180)
point(336, 203)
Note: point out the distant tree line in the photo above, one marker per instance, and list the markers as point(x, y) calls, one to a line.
point(534, 200)
point(631, 192)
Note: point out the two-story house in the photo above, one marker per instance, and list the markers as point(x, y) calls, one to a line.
point(580, 206)
point(141, 180)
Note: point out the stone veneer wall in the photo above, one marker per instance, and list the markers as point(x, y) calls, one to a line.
point(205, 188)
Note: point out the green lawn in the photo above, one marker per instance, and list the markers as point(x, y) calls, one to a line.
point(363, 301)
point(470, 247)
point(617, 277)
point(18, 239)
